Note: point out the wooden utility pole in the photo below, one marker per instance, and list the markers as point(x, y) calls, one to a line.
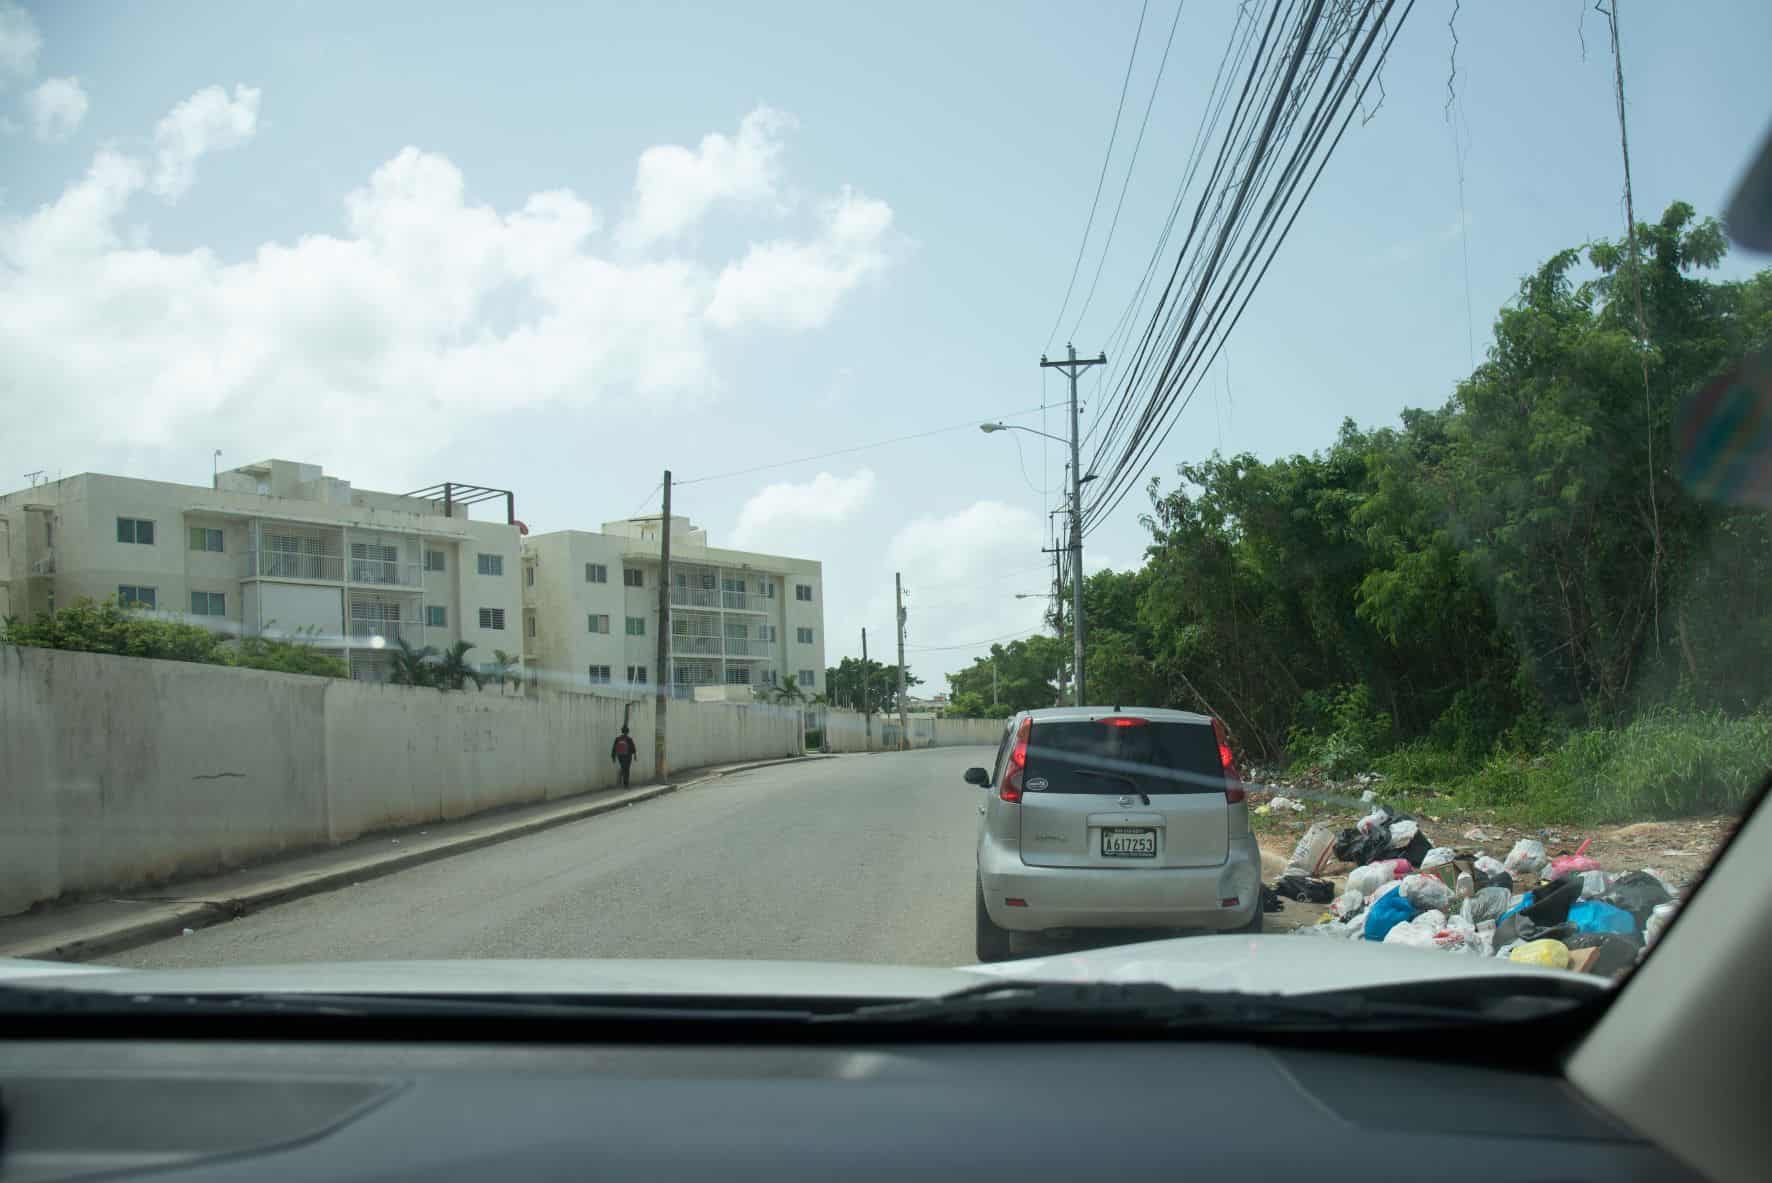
point(867, 715)
point(1071, 367)
point(661, 700)
point(904, 735)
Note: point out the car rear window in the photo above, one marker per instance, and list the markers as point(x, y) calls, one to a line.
point(1101, 757)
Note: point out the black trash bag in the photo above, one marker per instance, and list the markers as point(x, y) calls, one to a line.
point(1550, 905)
point(1270, 902)
point(1617, 951)
point(1303, 887)
point(1351, 846)
point(1416, 850)
point(1500, 879)
point(1638, 893)
point(1520, 927)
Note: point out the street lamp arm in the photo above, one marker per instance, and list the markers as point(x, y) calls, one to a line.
point(987, 428)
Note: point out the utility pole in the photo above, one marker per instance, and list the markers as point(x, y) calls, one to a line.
point(661, 700)
point(904, 736)
point(1071, 368)
point(993, 682)
point(867, 715)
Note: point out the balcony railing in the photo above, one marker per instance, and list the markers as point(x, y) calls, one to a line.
point(389, 630)
point(286, 564)
point(731, 601)
point(699, 645)
point(743, 602)
point(385, 572)
point(743, 647)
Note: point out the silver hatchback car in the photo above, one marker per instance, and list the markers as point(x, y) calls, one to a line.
point(1104, 817)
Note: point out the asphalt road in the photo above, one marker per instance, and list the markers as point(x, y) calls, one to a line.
point(860, 858)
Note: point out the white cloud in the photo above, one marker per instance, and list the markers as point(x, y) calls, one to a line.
point(967, 547)
point(675, 187)
point(798, 285)
point(208, 121)
point(19, 43)
point(56, 108)
point(371, 347)
point(783, 508)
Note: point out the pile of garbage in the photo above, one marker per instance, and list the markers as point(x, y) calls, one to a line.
point(1561, 911)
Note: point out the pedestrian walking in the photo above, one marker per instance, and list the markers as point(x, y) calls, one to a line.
point(622, 752)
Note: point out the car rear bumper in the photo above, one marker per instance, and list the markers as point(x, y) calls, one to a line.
point(1087, 897)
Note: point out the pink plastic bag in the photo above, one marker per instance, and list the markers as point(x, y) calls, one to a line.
point(1565, 864)
point(1398, 867)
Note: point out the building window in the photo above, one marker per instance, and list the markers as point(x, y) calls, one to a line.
point(636, 626)
point(436, 616)
point(637, 675)
point(803, 635)
point(596, 573)
point(529, 576)
point(530, 624)
point(768, 677)
point(597, 622)
point(202, 538)
point(434, 560)
point(209, 604)
point(769, 589)
point(808, 679)
point(492, 618)
point(599, 675)
point(766, 632)
point(131, 596)
point(633, 577)
point(803, 591)
point(738, 675)
point(137, 530)
point(490, 564)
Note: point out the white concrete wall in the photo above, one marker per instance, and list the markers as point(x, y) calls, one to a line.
point(845, 732)
point(117, 772)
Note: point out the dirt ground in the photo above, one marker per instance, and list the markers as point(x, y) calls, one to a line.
point(1679, 849)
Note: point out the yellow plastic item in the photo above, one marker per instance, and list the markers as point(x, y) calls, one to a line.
point(1554, 954)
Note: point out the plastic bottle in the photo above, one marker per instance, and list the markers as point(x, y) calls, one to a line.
point(1465, 887)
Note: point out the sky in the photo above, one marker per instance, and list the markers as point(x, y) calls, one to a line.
point(560, 248)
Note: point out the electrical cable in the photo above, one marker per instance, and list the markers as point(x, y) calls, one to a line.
point(1106, 158)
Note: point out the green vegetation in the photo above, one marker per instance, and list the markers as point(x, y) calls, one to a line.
point(426, 666)
point(93, 626)
point(848, 688)
point(1510, 596)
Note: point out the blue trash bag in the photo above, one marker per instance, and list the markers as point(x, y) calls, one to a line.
point(1390, 910)
point(1525, 902)
point(1597, 916)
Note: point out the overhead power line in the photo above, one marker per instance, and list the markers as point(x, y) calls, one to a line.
point(973, 644)
point(1312, 66)
point(1101, 180)
point(969, 425)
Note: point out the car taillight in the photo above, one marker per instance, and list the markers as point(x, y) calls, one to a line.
point(1122, 721)
point(1233, 784)
point(1010, 790)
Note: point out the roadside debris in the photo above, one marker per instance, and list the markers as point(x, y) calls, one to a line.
point(1541, 904)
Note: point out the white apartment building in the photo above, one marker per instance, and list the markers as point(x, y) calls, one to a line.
point(275, 547)
point(739, 620)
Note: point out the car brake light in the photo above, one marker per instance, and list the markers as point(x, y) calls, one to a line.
point(1233, 784)
point(1123, 721)
point(1010, 790)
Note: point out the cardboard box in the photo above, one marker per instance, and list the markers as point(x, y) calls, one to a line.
point(1581, 959)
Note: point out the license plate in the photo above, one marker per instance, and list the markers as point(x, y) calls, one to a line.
point(1118, 842)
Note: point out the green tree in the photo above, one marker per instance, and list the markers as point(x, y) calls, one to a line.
point(453, 671)
point(503, 668)
point(412, 667)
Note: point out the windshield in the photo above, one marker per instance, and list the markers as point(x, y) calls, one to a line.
point(894, 485)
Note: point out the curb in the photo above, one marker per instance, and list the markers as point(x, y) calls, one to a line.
point(169, 920)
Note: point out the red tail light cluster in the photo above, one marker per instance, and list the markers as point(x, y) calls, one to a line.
point(1233, 783)
point(1010, 789)
point(1123, 721)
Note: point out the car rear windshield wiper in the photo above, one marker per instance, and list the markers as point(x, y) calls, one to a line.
point(1163, 1007)
point(1121, 776)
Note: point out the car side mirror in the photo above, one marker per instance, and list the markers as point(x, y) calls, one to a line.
point(978, 776)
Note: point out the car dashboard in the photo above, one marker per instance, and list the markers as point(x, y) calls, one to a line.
point(191, 1109)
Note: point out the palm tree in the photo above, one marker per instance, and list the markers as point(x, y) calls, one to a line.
point(789, 692)
point(503, 668)
point(453, 672)
point(411, 667)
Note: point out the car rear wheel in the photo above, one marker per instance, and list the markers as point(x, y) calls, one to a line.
point(992, 942)
point(1255, 921)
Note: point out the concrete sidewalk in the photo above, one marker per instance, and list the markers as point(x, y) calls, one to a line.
point(92, 928)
